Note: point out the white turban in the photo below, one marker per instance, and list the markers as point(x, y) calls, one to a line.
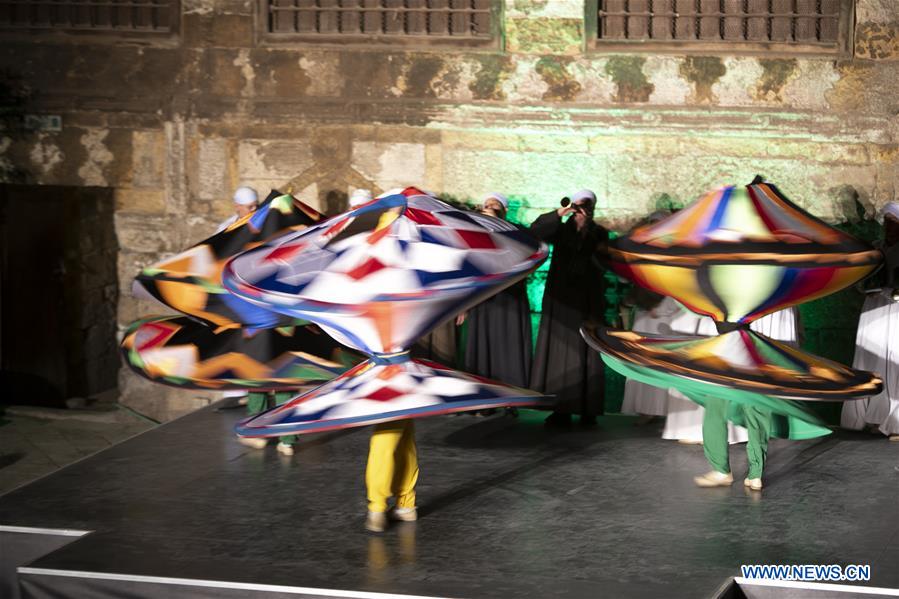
point(891, 209)
point(495, 195)
point(582, 195)
point(245, 196)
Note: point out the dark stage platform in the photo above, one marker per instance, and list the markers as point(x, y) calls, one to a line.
point(507, 508)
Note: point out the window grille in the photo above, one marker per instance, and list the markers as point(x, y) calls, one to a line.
point(820, 25)
point(346, 20)
point(157, 16)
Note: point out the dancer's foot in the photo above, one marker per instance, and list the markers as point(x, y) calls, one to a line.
point(254, 442)
point(894, 437)
point(753, 483)
point(376, 521)
point(285, 449)
point(690, 441)
point(643, 420)
point(403, 514)
point(714, 479)
point(557, 420)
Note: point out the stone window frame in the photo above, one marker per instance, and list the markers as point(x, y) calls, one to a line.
point(842, 49)
point(495, 43)
point(50, 33)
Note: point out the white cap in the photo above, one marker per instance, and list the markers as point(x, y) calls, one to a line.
point(359, 197)
point(495, 195)
point(245, 196)
point(891, 209)
point(582, 195)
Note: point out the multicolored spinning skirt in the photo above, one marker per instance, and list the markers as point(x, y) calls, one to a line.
point(372, 393)
point(224, 342)
point(191, 282)
point(377, 278)
point(177, 351)
point(740, 359)
point(739, 253)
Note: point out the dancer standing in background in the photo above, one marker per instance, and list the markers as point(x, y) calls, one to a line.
point(245, 201)
point(498, 344)
point(877, 342)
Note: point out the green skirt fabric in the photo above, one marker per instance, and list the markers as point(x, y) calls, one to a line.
point(790, 419)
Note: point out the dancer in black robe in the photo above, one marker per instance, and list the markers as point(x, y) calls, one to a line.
point(563, 364)
point(498, 345)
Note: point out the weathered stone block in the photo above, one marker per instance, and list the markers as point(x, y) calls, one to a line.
point(97, 158)
point(217, 29)
point(877, 41)
point(217, 74)
point(136, 235)
point(140, 201)
point(539, 179)
point(325, 74)
point(46, 157)
point(876, 11)
point(544, 36)
point(197, 228)
point(629, 78)
point(273, 159)
point(212, 177)
point(148, 158)
point(277, 73)
point(479, 140)
point(97, 309)
point(553, 143)
point(390, 164)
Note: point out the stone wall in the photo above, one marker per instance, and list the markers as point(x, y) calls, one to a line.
point(173, 125)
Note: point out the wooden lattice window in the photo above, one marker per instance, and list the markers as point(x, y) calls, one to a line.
point(465, 22)
point(792, 26)
point(128, 16)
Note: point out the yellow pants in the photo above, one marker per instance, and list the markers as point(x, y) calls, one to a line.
point(392, 468)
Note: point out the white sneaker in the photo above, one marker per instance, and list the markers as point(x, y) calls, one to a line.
point(254, 442)
point(285, 449)
point(714, 479)
point(404, 514)
point(753, 483)
point(376, 521)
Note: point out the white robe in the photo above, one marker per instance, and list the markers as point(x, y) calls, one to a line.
point(640, 398)
point(684, 421)
point(877, 350)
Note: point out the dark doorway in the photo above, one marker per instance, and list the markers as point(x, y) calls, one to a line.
point(58, 293)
